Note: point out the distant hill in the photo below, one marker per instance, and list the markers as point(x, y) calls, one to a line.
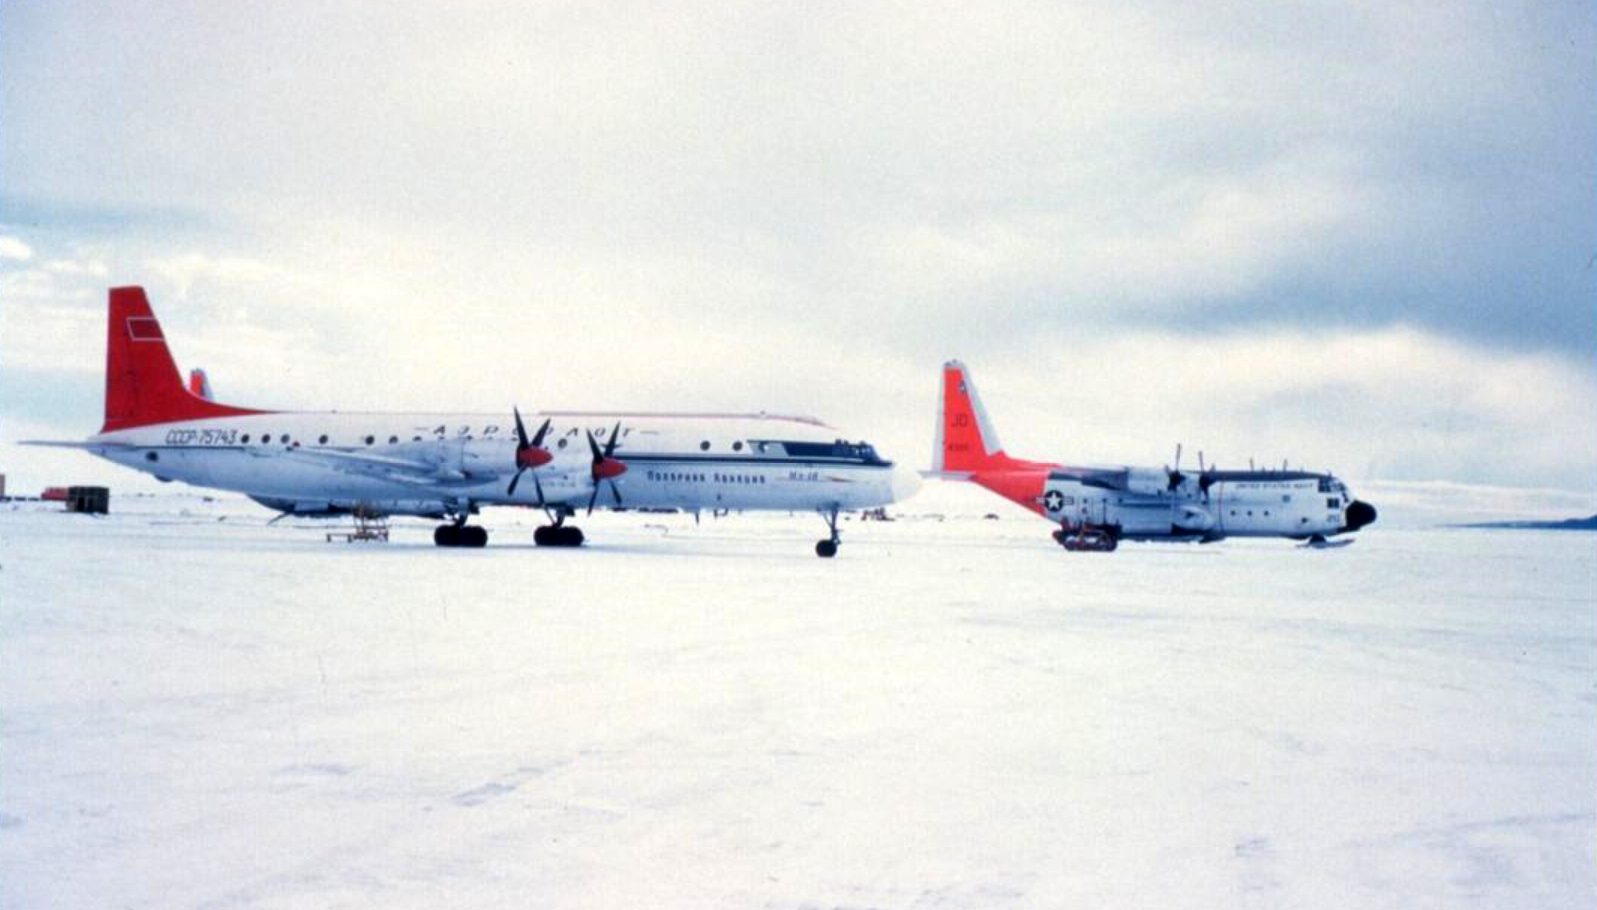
point(1568, 524)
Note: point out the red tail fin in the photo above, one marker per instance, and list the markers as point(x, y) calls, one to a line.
point(200, 385)
point(142, 383)
point(966, 440)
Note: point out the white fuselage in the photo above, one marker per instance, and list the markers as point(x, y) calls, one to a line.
point(1142, 504)
point(432, 464)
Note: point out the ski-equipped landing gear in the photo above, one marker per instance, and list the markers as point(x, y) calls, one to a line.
point(1319, 542)
point(1087, 537)
point(827, 548)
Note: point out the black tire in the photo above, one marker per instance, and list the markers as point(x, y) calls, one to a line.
point(446, 536)
point(558, 536)
point(826, 549)
point(474, 536)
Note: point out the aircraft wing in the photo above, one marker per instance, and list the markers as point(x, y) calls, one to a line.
point(417, 471)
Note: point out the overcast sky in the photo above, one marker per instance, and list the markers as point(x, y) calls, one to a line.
point(1361, 236)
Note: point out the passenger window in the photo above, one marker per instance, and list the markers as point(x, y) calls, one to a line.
point(737, 446)
point(245, 440)
point(704, 446)
point(370, 440)
point(394, 439)
point(284, 439)
point(322, 439)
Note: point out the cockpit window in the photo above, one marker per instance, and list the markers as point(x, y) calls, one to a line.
point(862, 451)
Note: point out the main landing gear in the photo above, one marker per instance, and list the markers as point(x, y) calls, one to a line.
point(827, 548)
point(558, 533)
point(1087, 538)
point(461, 534)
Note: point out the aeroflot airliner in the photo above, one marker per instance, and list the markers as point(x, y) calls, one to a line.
point(1096, 507)
point(446, 466)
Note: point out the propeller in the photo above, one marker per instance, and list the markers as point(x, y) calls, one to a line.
point(530, 454)
point(1176, 477)
point(605, 465)
point(1206, 476)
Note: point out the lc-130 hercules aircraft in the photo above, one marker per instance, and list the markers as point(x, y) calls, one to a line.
point(445, 466)
point(1096, 507)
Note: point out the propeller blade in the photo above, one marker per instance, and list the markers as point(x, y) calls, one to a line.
point(536, 485)
point(537, 438)
point(521, 429)
point(610, 444)
point(594, 447)
point(616, 492)
point(515, 480)
point(593, 499)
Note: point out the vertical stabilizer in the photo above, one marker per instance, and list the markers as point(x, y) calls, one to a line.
point(142, 382)
point(966, 440)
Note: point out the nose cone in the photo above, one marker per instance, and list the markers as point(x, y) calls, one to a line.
point(905, 483)
point(1359, 514)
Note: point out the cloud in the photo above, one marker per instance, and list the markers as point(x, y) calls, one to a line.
point(1258, 229)
point(1398, 403)
point(13, 249)
point(184, 269)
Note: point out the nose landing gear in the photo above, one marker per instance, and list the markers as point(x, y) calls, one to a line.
point(827, 548)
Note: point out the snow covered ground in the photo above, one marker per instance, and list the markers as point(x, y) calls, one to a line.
point(197, 710)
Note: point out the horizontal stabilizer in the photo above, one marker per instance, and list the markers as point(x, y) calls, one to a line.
point(88, 445)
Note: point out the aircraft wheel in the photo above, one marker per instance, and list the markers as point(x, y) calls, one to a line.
point(558, 536)
point(826, 549)
point(474, 536)
point(446, 536)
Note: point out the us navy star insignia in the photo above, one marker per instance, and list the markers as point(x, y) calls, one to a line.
point(1054, 500)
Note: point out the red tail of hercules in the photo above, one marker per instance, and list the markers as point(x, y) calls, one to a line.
point(142, 383)
point(966, 440)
